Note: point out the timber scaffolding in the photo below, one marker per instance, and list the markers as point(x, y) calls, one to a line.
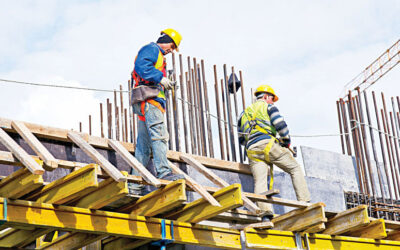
point(90, 204)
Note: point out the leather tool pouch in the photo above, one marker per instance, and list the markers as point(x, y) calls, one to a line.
point(142, 93)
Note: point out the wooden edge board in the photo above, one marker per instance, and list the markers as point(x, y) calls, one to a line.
point(209, 174)
point(260, 225)
point(62, 135)
point(348, 220)
point(316, 228)
point(35, 144)
point(374, 230)
point(134, 163)
point(96, 156)
point(195, 186)
point(20, 153)
point(20, 183)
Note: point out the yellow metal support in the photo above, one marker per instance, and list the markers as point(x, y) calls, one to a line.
point(20, 183)
point(160, 200)
point(70, 187)
point(108, 191)
point(229, 198)
point(115, 224)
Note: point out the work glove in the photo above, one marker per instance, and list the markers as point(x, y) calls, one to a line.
point(167, 83)
point(285, 141)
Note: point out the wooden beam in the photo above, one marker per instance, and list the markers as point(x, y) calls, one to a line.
point(316, 228)
point(48, 159)
point(20, 183)
point(159, 201)
point(71, 241)
point(374, 230)
point(218, 181)
point(107, 192)
point(69, 187)
point(21, 155)
point(97, 157)
point(348, 220)
point(301, 219)
point(198, 210)
point(258, 225)
point(15, 238)
point(195, 186)
point(115, 224)
point(134, 163)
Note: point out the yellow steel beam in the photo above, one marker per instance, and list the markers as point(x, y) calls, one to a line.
point(274, 239)
point(348, 220)
point(301, 219)
point(20, 183)
point(107, 192)
point(374, 230)
point(114, 224)
point(160, 200)
point(229, 197)
point(69, 187)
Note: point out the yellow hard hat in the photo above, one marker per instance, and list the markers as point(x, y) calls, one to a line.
point(175, 36)
point(266, 89)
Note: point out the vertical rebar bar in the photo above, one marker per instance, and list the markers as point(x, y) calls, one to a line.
point(116, 116)
point(382, 148)
point(225, 121)
point(221, 138)
point(183, 99)
point(90, 125)
point(131, 116)
point(236, 109)
point(190, 112)
point(80, 127)
point(101, 120)
point(242, 90)
point(209, 128)
point(394, 136)
point(229, 113)
point(117, 122)
point(109, 117)
point(346, 129)
point(175, 108)
point(121, 98)
point(340, 127)
point(201, 110)
point(126, 124)
point(196, 113)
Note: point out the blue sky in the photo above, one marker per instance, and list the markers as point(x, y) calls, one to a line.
point(306, 50)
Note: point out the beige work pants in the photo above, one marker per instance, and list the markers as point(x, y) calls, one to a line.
point(282, 158)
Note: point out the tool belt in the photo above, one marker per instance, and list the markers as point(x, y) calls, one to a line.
point(142, 93)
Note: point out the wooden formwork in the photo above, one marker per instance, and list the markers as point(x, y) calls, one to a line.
point(93, 204)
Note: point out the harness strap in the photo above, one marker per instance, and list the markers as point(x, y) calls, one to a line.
point(150, 101)
point(267, 149)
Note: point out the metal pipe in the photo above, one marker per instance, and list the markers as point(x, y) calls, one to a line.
point(346, 130)
point(382, 148)
point(229, 112)
point(209, 129)
point(340, 127)
point(182, 83)
point(371, 132)
point(101, 120)
point(226, 124)
point(365, 142)
point(221, 138)
point(390, 147)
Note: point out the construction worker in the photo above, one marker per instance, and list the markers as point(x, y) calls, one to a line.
point(149, 76)
point(257, 127)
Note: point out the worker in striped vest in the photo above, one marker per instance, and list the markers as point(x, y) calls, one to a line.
point(150, 82)
point(258, 126)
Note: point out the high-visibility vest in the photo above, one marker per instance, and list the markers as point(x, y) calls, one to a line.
point(255, 121)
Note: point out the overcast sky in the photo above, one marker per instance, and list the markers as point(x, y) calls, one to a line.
point(306, 50)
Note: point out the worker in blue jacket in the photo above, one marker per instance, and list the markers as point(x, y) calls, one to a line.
point(150, 70)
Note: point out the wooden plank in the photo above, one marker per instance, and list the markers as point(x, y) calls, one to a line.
point(345, 221)
point(374, 230)
point(107, 192)
point(198, 210)
point(21, 155)
point(62, 135)
point(71, 240)
point(393, 235)
point(195, 186)
point(218, 181)
point(301, 219)
point(115, 224)
point(159, 201)
point(48, 159)
point(69, 187)
point(20, 183)
point(316, 228)
point(259, 225)
point(134, 163)
point(97, 157)
point(124, 243)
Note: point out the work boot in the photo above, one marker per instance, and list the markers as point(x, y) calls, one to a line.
point(172, 177)
point(135, 190)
